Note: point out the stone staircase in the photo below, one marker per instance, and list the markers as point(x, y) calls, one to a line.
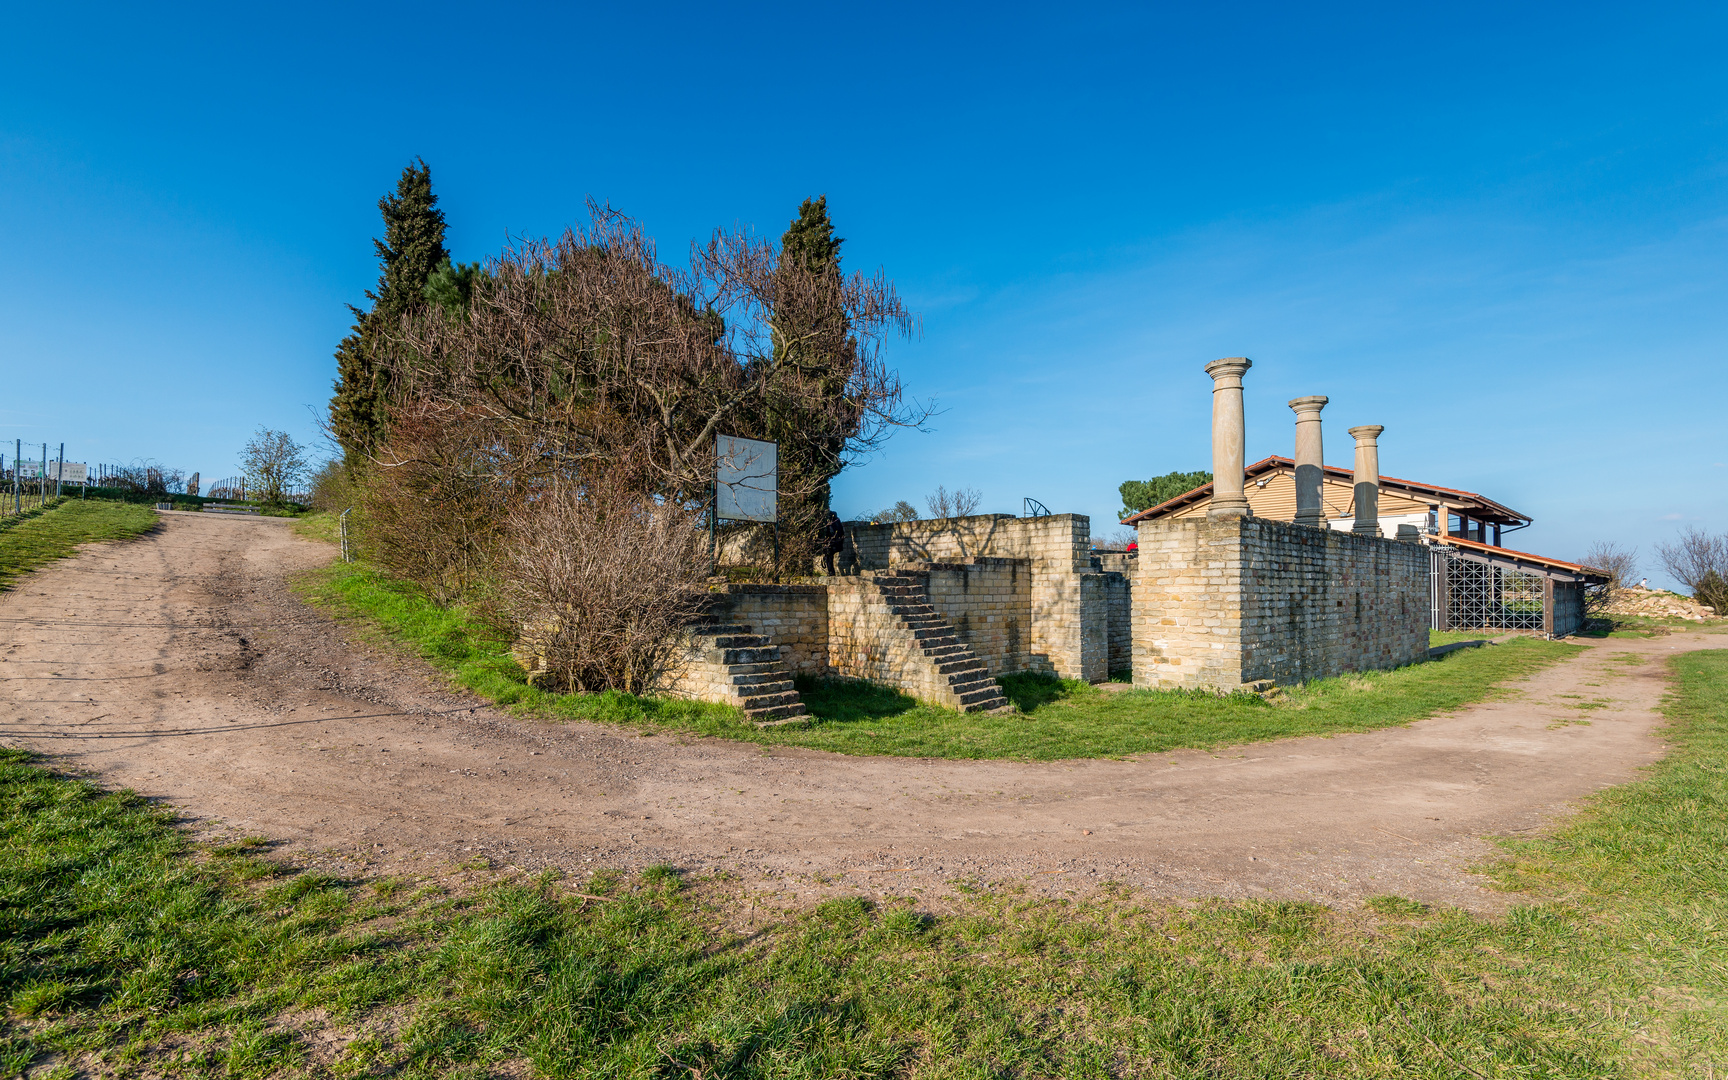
point(727, 661)
point(968, 682)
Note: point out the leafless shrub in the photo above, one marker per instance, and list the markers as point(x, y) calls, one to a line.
point(1699, 561)
point(434, 507)
point(952, 504)
point(598, 581)
point(1618, 563)
point(146, 478)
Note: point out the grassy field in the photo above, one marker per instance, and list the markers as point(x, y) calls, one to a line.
point(1057, 719)
point(128, 950)
point(32, 539)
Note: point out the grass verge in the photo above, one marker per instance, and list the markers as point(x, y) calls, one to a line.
point(33, 539)
point(128, 950)
point(1058, 719)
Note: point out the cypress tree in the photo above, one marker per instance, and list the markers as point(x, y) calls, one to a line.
point(811, 446)
point(410, 252)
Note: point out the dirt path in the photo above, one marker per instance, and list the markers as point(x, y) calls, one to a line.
point(179, 665)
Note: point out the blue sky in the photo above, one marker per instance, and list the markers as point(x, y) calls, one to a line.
point(1501, 234)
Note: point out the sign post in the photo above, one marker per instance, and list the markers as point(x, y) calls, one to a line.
point(746, 487)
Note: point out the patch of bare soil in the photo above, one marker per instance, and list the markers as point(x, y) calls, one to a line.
point(179, 665)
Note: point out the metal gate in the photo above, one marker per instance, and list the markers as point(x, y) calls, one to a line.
point(1470, 594)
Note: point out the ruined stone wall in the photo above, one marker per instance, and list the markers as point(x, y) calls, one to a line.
point(989, 604)
point(1118, 562)
point(794, 616)
point(867, 641)
point(1069, 634)
point(1119, 603)
point(1218, 604)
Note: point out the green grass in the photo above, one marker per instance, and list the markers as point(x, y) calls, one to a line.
point(125, 949)
point(1057, 718)
point(1447, 637)
point(33, 539)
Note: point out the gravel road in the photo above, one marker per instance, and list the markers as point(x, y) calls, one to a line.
point(180, 665)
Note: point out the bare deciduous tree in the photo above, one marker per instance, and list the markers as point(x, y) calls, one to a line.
point(600, 580)
point(1699, 561)
point(590, 349)
point(952, 504)
point(274, 464)
point(1620, 564)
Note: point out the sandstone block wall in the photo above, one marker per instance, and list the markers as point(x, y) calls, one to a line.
point(1119, 605)
point(989, 604)
point(1217, 604)
point(867, 641)
point(794, 616)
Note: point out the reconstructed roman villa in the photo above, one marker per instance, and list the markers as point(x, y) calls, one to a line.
point(1219, 599)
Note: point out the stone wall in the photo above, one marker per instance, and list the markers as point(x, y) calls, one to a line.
point(1115, 562)
point(1218, 604)
point(794, 616)
point(989, 604)
point(867, 641)
point(1119, 603)
point(1069, 624)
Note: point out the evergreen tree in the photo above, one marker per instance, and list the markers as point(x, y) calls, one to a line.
point(411, 251)
point(1138, 495)
point(811, 447)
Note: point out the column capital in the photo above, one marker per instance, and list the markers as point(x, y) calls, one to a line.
point(1229, 367)
point(1367, 433)
point(1310, 405)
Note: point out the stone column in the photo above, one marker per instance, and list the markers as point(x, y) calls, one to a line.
point(1310, 461)
point(1228, 500)
point(1367, 479)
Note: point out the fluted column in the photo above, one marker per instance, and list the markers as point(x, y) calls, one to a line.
point(1228, 500)
point(1367, 479)
point(1310, 461)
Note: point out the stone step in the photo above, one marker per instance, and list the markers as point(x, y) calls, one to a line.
point(948, 650)
point(973, 687)
point(930, 633)
point(765, 655)
point(782, 713)
point(738, 641)
point(970, 680)
point(769, 701)
point(979, 700)
point(773, 667)
point(922, 622)
point(959, 664)
point(774, 676)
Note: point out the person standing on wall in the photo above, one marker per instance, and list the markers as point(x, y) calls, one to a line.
point(833, 541)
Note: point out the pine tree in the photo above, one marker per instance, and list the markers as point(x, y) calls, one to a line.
point(810, 446)
point(410, 252)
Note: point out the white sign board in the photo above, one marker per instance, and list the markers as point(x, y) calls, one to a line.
point(73, 472)
point(746, 479)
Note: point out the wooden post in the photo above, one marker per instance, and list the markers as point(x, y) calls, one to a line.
point(1547, 605)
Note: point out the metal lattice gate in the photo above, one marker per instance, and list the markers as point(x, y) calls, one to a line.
point(1471, 594)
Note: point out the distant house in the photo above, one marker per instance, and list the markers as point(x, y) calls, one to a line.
point(1475, 583)
point(1433, 510)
